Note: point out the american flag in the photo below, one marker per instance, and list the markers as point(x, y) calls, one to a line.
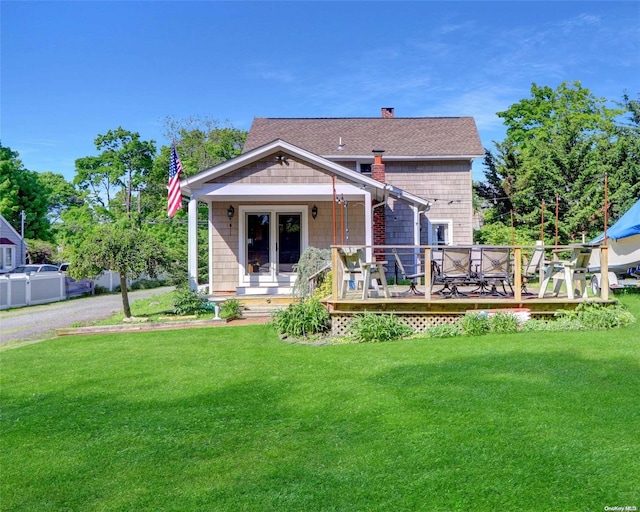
point(175, 196)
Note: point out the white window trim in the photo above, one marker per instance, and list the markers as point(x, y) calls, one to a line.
point(359, 167)
point(271, 209)
point(12, 250)
point(448, 223)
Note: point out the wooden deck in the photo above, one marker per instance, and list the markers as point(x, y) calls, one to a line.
point(421, 313)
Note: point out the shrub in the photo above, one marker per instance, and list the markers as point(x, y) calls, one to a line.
point(301, 319)
point(503, 323)
point(190, 302)
point(560, 324)
point(599, 316)
point(146, 284)
point(475, 324)
point(444, 331)
point(324, 289)
point(311, 261)
point(370, 327)
point(231, 308)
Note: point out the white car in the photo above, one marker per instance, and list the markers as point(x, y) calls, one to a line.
point(32, 269)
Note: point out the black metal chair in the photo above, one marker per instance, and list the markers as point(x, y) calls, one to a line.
point(411, 277)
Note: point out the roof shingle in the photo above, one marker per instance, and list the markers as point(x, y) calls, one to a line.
point(398, 136)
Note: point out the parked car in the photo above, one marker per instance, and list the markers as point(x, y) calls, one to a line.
point(32, 269)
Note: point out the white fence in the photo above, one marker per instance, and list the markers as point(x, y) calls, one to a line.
point(18, 290)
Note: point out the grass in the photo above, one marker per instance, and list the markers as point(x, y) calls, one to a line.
point(231, 419)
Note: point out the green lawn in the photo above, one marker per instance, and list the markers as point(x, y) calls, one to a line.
point(233, 419)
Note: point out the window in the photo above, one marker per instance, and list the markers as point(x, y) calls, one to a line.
point(440, 232)
point(6, 257)
point(364, 168)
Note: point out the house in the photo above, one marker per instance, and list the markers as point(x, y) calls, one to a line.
point(12, 247)
point(317, 182)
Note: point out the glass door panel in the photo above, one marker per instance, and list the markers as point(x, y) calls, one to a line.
point(258, 251)
point(288, 249)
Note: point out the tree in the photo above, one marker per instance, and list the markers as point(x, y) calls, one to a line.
point(61, 195)
point(201, 143)
point(21, 190)
point(120, 247)
point(122, 166)
point(559, 144)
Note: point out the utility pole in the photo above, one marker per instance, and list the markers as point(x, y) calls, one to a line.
point(23, 216)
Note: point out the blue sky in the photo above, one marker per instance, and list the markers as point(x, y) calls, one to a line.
point(73, 70)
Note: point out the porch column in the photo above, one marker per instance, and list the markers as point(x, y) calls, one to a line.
point(368, 224)
point(210, 246)
point(416, 236)
point(192, 247)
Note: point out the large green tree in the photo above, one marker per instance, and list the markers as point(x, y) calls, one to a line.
point(21, 190)
point(61, 195)
point(558, 147)
point(118, 173)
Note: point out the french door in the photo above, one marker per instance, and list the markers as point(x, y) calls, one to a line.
point(272, 239)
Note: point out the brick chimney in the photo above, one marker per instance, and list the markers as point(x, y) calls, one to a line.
point(379, 213)
point(387, 112)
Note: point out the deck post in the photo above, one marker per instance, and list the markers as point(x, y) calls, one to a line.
point(427, 273)
point(335, 282)
point(604, 271)
point(517, 273)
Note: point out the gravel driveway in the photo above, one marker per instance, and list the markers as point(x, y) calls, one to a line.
point(35, 323)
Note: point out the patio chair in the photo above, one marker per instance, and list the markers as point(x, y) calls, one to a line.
point(411, 277)
point(351, 270)
point(455, 269)
point(495, 268)
point(532, 268)
point(372, 271)
point(572, 272)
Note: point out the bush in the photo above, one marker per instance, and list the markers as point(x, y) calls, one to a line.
point(231, 308)
point(146, 284)
point(370, 327)
point(190, 302)
point(560, 324)
point(599, 316)
point(324, 290)
point(444, 331)
point(301, 319)
point(475, 324)
point(503, 323)
point(311, 261)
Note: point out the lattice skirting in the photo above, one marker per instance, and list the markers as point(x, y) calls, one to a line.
point(418, 322)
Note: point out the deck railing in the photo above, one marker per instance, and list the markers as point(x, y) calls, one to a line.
point(557, 255)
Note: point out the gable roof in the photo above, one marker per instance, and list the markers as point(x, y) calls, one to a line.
point(200, 182)
point(4, 225)
point(429, 137)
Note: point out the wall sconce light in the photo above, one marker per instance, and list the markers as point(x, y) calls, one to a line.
point(314, 212)
point(230, 211)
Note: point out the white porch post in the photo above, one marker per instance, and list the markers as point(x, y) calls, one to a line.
point(210, 247)
point(368, 225)
point(416, 236)
point(192, 247)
